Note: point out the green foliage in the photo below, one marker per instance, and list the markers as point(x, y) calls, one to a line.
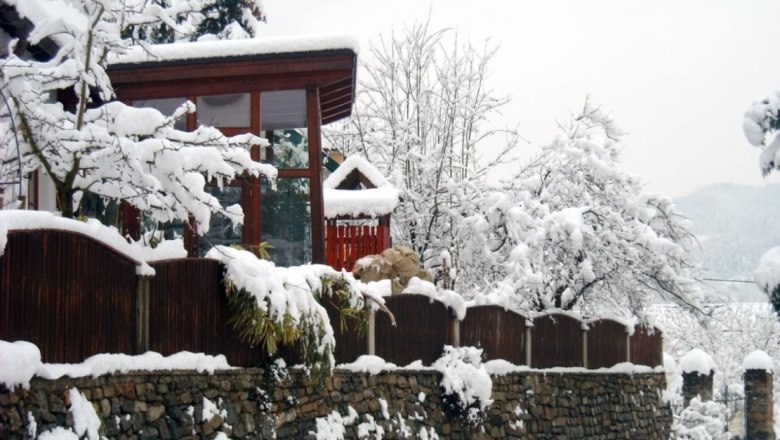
point(256, 326)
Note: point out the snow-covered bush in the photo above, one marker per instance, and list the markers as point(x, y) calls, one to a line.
point(281, 305)
point(466, 384)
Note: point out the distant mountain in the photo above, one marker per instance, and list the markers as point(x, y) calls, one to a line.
point(735, 224)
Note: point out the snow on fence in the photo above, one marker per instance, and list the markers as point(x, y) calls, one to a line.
point(74, 297)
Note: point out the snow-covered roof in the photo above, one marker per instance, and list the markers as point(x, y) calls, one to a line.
point(185, 51)
point(374, 202)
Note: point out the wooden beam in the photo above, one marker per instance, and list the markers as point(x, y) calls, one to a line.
point(315, 165)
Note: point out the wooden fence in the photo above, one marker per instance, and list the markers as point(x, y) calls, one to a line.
point(68, 294)
point(74, 297)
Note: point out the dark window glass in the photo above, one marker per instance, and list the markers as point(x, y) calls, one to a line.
point(286, 221)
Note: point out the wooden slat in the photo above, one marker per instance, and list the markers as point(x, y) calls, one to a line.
point(647, 346)
point(607, 340)
point(499, 332)
point(423, 330)
point(67, 293)
point(556, 342)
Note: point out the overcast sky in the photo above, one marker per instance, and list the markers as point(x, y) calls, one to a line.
point(677, 75)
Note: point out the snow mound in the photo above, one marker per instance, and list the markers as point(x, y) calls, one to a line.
point(367, 363)
point(697, 361)
point(101, 364)
point(18, 363)
point(759, 360)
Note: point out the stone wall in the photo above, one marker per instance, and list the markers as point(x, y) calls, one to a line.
point(401, 404)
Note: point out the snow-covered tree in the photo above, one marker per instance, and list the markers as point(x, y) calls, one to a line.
point(108, 148)
point(422, 116)
point(733, 331)
point(573, 231)
point(762, 129)
point(192, 20)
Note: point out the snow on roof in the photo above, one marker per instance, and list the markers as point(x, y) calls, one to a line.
point(374, 202)
point(19, 220)
point(697, 361)
point(355, 163)
point(185, 51)
point(759, 360)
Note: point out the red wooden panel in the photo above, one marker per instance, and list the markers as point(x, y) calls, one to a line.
point(556, 341)
point(500, 333)
point(607, 343)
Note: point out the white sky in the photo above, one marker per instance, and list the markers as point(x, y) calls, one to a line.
point(677, 75)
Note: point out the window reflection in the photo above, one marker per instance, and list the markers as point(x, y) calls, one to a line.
point(286, 221)
point(221, 229)
point(231, 110)
point(290, 148)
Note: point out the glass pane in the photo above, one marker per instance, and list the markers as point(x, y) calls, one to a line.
point(224, 110)
point(290, 148)
point(286, 221)
point(221, 230)
point(166, 106)
point(282, 109)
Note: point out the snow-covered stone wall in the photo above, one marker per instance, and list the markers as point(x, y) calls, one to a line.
point(252, 403)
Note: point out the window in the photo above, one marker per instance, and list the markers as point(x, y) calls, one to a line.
point(286, 220)
point(221, 230)
point(283, 119)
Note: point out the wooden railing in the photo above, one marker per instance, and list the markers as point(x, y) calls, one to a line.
point(345, 244)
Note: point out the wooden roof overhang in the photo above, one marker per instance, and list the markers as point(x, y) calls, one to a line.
point(332, 72)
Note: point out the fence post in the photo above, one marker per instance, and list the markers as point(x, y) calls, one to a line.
point(142, 315)
point(584, 345)
point(528, 339)
point(371, 333)
point(698, 369)
point(759, 423)
point(455, 326)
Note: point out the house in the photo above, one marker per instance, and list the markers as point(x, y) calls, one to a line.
point(282, 89)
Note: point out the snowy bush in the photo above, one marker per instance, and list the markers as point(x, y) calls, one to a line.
point(279, 305)
point(466, 384)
